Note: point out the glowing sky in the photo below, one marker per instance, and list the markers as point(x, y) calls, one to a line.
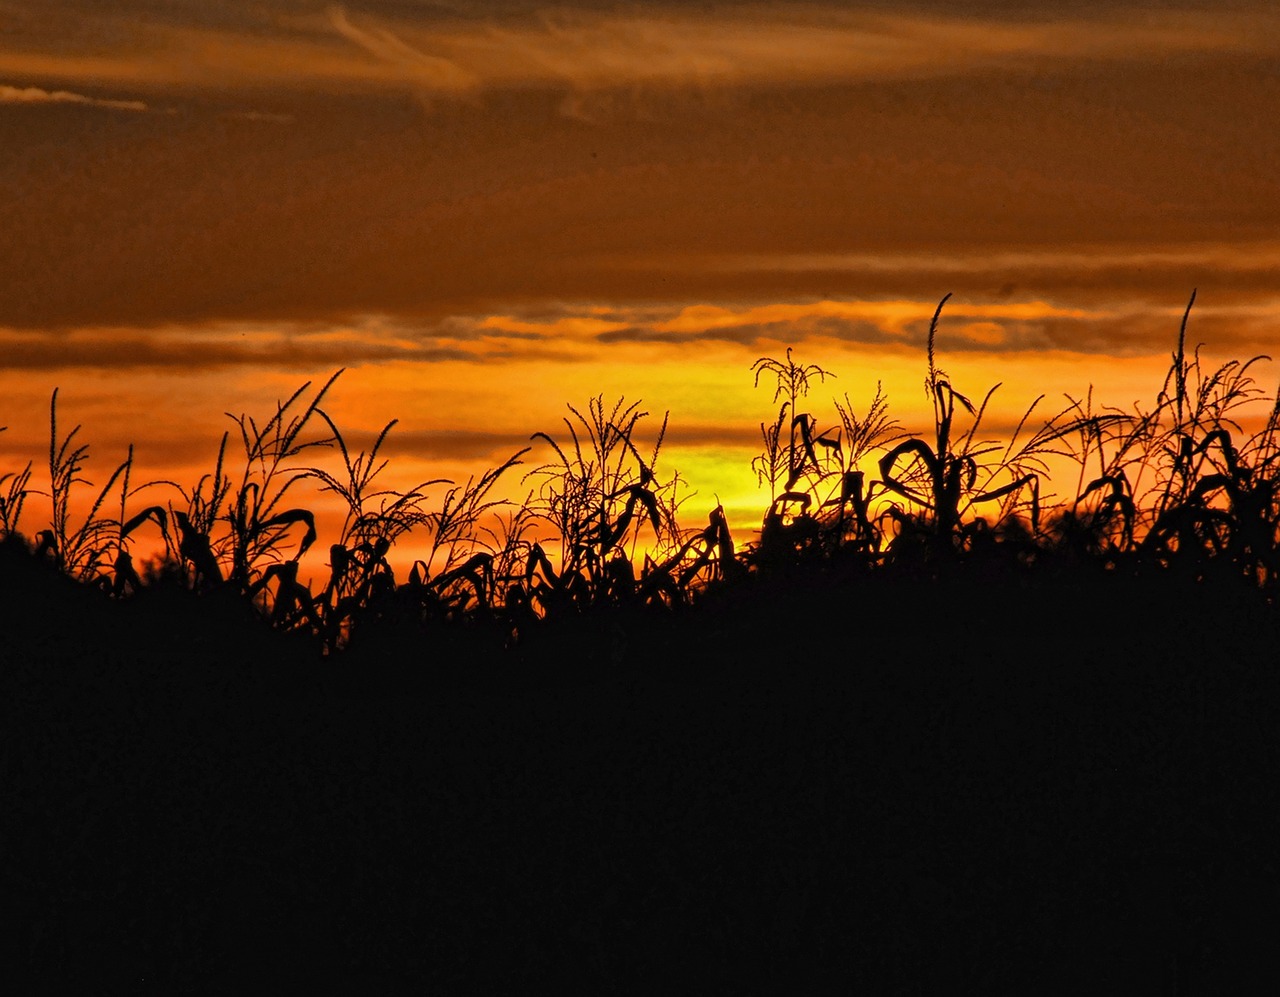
point(487, 210)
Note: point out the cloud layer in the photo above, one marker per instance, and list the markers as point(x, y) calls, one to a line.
point(1100, 159)
point(440, 51)
point(35, 95)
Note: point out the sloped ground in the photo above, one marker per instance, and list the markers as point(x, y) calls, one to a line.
point(980, 785)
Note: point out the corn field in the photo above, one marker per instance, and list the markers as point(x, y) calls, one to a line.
point(1185, 486)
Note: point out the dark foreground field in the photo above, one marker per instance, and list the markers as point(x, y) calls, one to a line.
point(1024, 786)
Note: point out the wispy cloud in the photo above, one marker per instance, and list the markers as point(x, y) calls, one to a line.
point(592, 51)
point(1241, 257)
point(589, 51)
point(974, 326)
point(199, 349)
point(436, 73)
point(35, 95)
point(268, 117)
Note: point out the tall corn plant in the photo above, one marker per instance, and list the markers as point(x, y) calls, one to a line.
point(944, 481)
point(260, 527)
point(1110, 448)
point(234, 527)
point(14, 488)
point(846, 513)
point(1250, 485)
point(598, 495)
point(124, 574)
point(1214, 493)
point(375, 518)
point(820, 499)
point(789, 454)
point(457, 568)
point(788, 463)
point(472, 547)
point(193, 543)
point(95, 549)
point(79, 547)
point(1176, 482)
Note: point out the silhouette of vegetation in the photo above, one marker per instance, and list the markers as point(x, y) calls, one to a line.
point(824, 505)
point(1180, 485)
point(932, 728)
point(600, 496)
point(16, 487)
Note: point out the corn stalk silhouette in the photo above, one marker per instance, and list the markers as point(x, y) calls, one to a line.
point(943, 481)
point(789, 462)
point(94, 549)
point(15, 486)
point(375, 518)
point(1215, 501)
point(598, 496)
point(470, 552)
point(239, 532)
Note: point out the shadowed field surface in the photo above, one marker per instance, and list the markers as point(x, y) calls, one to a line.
point(995, 783)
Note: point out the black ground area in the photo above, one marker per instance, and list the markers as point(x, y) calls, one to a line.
point(977, 785)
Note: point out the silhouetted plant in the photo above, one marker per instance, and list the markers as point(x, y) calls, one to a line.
point(124, 574)
point(789, 452)
point(1102, 518)
point(375, 518)
point(460, 577)
point(231, 532)
point(789, 462)
point(1208, 504)
point(944, 480)
point(597, 497)
point(465, 540)
point(14, 488)
point(195, 548)
point(856, 439)
point(1251, 489)
point(260, 529)
point(702, 557)
point(79, 550)
point(825, 503)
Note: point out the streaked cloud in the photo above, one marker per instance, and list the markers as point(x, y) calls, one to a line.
point(1239, 257)
point(646, 334)
point(441, 53)
point(1095, 310)
point(291, 349)
point(269, 117)
point(35, 95)
point(434, 72)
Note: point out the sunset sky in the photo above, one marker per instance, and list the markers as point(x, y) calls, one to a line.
point(487, 210)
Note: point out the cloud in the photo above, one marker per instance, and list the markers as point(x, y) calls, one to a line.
point(1252, 257)
point(800, 46)
point(645, 333)
point(970, 327)
point(202, 349)
point(437, 74)
point(35, 95)
point(910, 190)
point(584, 51)
point(268, 117)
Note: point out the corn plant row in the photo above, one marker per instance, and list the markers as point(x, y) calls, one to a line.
point(1179, 485)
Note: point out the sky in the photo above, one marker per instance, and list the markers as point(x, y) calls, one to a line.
point(487, 211)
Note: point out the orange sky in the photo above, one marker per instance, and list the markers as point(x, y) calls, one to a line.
point(487, 210)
